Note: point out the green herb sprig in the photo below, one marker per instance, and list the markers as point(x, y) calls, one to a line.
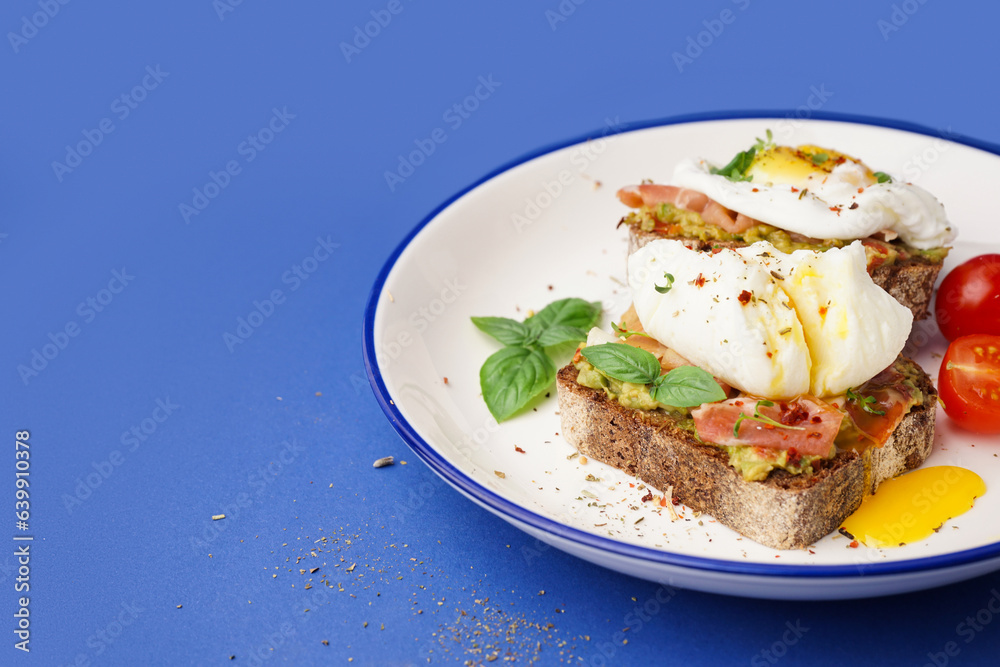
point(882, 177)
point(627, 333)
point(513, 376)
point(663, 289)
point(683, 387)
point(865, 402)
point(737, 168)
point(763, 419)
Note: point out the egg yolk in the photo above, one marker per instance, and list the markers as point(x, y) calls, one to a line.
point(784, 165)
point(912, 506)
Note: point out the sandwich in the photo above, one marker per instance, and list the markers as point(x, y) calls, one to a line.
point(804, 197)
point(764, 388)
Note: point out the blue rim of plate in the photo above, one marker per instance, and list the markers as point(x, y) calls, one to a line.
point(512, 510)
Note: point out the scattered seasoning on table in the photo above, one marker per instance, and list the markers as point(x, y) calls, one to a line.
point(216, 517)
point(501, 475)
point(382, 462)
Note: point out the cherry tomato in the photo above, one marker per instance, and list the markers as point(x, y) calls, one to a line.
point(968, 301)
point(969, 383)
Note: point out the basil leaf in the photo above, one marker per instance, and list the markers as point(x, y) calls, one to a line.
point(512, 377)
point(504, 329)
point(687, 387)
point(561, 333)
point(571, 312)
point(623, 362)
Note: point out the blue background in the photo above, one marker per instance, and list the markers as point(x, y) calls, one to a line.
point(279, 430)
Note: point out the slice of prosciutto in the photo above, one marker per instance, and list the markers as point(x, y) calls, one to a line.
point(808, 425)
point(893, 400)
point(710, 211)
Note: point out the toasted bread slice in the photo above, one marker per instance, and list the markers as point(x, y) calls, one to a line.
point(909, 281)
point(784, 511)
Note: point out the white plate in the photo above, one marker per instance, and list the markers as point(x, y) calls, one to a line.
point(544, 228)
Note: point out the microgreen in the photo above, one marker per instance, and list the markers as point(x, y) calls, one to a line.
point(663, 289)
point(627, 333)
point(764, 144)
point(523, 369)
point(763, 419)
point(882, 177)
point(737, 168)
point(864, 401)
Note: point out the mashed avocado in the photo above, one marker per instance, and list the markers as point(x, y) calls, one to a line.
point(687, 224)
point(756, 463)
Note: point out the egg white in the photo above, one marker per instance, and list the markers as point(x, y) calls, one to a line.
point(853, 328)
point(809, 323)
point(758, 347)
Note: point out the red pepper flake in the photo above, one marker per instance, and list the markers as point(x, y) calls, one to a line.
point(647, 497)
point(745, 297)
point(674, 500)
point(769, 355)
point(794, 189)
point(835, 209)
point(578, 356)
point(793, 456)
point(822, 311)
point(811, 551)
point(716, 250)
point(816, 420)
point(814, 434)
point(853, 206)
point(446, 379)
point(518, 449)
point(792, 415)
point(738, 403)
point(755, 190)
point(699, 281)
point(860, 190)
point(854, 544)
point(663, 501)
point(631, 485)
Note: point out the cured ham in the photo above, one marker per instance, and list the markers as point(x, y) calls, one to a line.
point(710, 211)
point(807, 425)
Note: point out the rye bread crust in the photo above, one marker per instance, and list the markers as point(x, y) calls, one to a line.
point(909, 281)
point(784, 511)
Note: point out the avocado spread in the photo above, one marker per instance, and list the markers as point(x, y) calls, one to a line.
point(675, 221)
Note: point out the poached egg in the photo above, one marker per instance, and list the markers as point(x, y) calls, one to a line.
point(821, 193)
point(771, 324)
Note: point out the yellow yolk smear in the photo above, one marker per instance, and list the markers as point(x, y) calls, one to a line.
point(912, 506)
